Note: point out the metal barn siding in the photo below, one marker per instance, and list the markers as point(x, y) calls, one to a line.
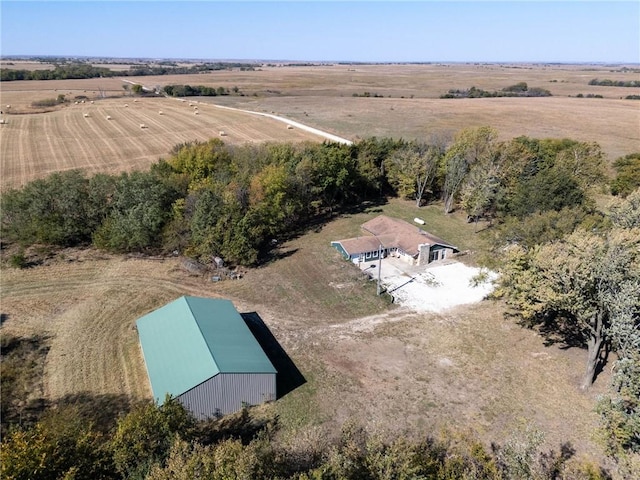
point(228, 392)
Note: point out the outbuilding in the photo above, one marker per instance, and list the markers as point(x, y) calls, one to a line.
point(202, 353)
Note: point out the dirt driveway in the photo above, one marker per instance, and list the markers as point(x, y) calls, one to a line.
point(432, 288)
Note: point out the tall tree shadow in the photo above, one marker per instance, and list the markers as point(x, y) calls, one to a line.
point(288, 377)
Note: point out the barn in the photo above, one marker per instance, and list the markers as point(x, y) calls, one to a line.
point(201, 352)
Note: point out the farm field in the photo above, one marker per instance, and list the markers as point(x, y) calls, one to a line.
point(36, 142)
point(470, 369)
point(110, 138)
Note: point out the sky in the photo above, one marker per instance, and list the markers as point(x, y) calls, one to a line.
point(357, 31)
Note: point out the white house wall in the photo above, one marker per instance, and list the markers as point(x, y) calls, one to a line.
point(228, 392)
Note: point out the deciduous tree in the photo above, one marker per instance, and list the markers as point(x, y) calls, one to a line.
point(470, 146)
point(570, 285)
point(412, 169)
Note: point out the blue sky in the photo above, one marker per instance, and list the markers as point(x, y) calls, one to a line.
point(368, 31)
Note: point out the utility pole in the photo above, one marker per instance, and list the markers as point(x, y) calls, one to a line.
point(379, 268)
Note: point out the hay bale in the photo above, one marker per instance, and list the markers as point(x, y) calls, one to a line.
point(85, 115)
point(108, 117)
point(196, 112)
point(222, 133)
point(142, 125)
point(289, 127)
point(126, 104)
point(160, 113)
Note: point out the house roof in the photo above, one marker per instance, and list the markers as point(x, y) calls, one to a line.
point(391, 233)
point(360, 244)
point(193, 339)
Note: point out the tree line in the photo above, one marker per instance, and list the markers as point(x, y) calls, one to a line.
point(518, 90)
point(80, 70)
point(198, 91)
point(615, 83)
point(152, 442)
point(231, 201)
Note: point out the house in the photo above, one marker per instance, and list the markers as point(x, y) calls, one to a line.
point(201, 352)
point(386, 236)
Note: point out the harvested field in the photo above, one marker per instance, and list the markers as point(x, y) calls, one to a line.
point(35, 145)
point(613, 124)
point(409, 105)
point(317, 96)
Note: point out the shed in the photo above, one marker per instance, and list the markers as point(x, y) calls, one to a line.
point(201, 352)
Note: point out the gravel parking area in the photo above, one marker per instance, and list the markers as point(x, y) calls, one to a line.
point(432, 288)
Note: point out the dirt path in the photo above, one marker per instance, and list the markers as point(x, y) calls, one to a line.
point(292, 123)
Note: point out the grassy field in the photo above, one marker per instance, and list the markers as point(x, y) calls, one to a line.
point(468, 369)
point(471, 368)
point(320, 96)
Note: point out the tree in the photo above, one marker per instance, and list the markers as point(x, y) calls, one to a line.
point(571, 286)
point(626, 213)
point(145, 435)
point(140, 207)
point(412, 169)
point(479, 191)
point(584, 162)
point(627, 175)
point(470, 146)
point(60, 446)
point(62, 209)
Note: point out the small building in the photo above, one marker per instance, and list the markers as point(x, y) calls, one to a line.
point(384, 236)
point(201, 352)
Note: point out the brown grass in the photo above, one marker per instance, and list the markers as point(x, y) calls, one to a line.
point(467, 369)
point(470, 368)
point(321, 96)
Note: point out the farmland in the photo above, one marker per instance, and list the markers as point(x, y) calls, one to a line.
point(110, 139)
point(407, 106)
point(471, 369)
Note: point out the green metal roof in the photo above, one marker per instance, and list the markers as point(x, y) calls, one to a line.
point(193, 339)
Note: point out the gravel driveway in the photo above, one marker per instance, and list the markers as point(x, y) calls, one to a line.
point(430, 289)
